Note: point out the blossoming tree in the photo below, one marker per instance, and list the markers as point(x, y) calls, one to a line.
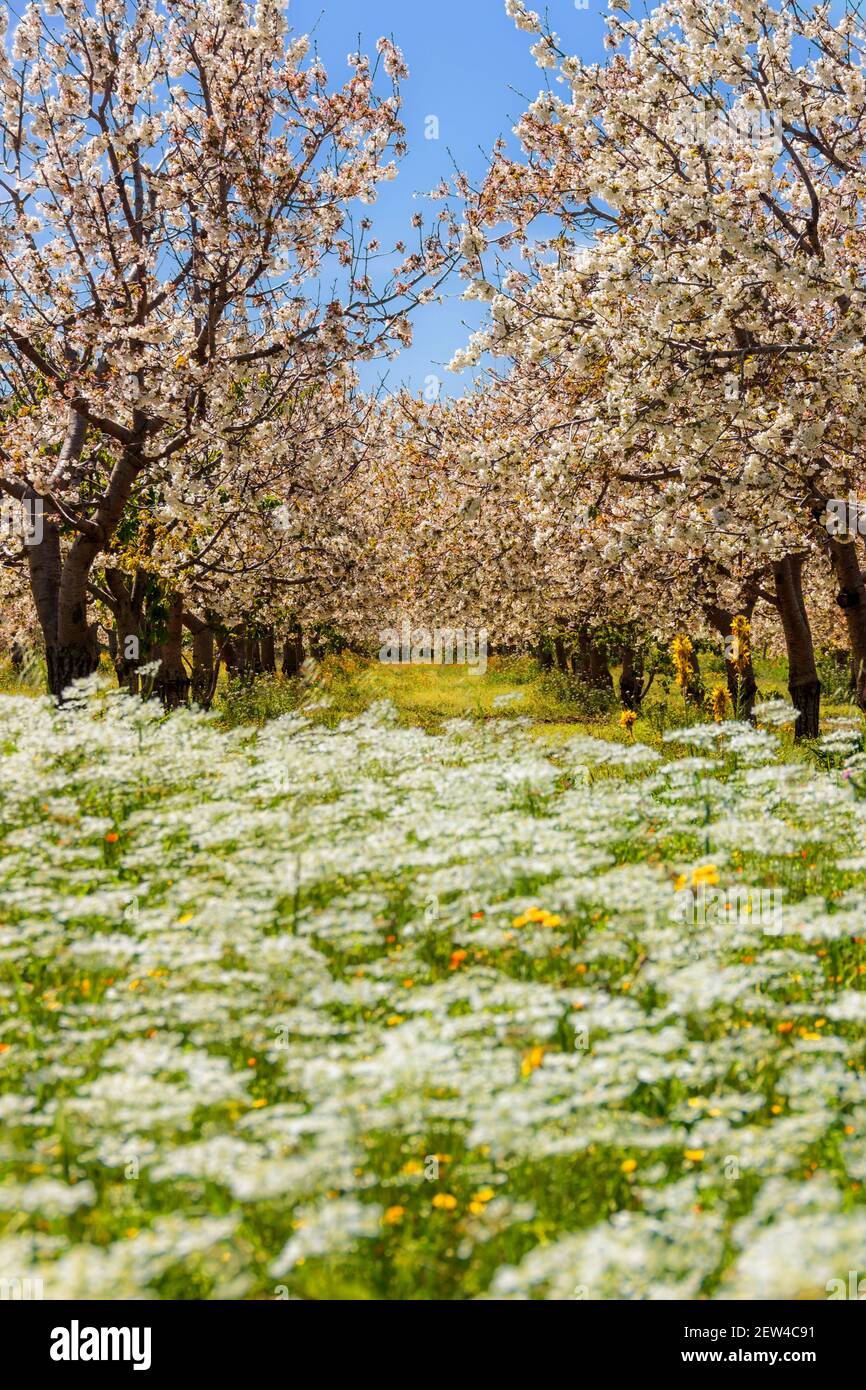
point(707, 183)
point(176, 193)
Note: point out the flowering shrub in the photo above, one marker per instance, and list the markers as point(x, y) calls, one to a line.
point(351, 1012)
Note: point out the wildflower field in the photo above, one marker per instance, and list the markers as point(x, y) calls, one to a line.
point(366, 1011)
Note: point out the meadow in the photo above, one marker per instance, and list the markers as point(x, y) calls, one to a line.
point(411, 984)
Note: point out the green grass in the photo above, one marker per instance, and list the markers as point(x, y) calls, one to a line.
point(557, 706)
point(424, 696)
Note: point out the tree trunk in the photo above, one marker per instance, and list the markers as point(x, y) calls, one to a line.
point(230, 656)
point(77, 645)
point(852, 599)
point(127, 604)
point(631, 679)
point(172, 681)
point(60, 586)
point(293, 651)
point(60, 596)
point(581, 661)
point(739, 672)
point(44, 564)
point(205, 659)
point(203, 666)
point(561, 657)
point(803, 683)
point(68, 662)
point(694, 691)
point(592, 662)
point(266, 651)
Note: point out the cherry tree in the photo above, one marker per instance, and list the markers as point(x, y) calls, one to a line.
point(180, 257)
point(706, 183)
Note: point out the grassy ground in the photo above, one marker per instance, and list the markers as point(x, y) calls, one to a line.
point(557, 706)
point(298, 1012)
point(426, 697)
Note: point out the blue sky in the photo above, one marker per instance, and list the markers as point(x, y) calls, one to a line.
point(470, 67)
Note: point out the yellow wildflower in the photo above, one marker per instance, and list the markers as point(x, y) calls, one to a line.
point(718, 702)
point(532, 1061)
point(443, 1201)
point(682, 651)
point(707, 874)
point(741, 630)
